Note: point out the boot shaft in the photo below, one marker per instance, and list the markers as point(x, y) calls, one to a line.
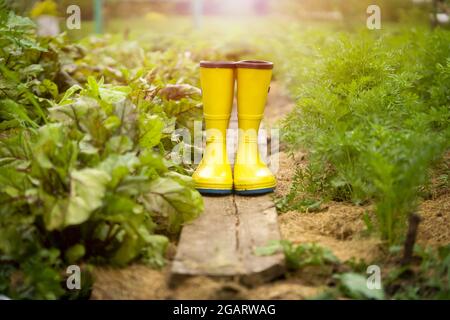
point(253, 78)
point(217, 82)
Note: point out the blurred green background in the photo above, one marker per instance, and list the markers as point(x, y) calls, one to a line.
point(146, 16)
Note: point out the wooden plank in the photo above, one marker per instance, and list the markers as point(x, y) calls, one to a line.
point(221, 242)
point(257, 226)
point(207, 245)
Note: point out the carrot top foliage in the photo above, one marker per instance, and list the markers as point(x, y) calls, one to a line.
point(374, 115)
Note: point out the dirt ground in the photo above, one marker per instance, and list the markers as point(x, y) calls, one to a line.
point(339, 227)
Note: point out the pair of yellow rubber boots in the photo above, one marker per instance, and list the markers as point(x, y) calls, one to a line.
point(251, 174)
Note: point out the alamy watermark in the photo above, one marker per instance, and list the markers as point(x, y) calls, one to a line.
point(73, 20)
point(73, 281)
point(188, 150)
point(373, 21)
point(374, 279)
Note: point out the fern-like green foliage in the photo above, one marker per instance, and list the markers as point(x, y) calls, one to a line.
point(299, 255)
point(374, 115)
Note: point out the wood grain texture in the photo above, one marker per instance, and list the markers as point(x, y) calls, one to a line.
point(222, 241)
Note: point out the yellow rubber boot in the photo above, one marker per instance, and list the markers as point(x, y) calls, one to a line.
point(251, 174)
point(213, 175)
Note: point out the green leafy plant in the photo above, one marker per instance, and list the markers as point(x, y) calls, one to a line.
point(302, 196)
point(85, 186)
point(354, 285)
point(84, 172)
point(301, 255)
point(427, 279)
point(19, 54)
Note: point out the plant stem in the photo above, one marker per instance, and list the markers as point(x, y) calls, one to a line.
point(414, 220)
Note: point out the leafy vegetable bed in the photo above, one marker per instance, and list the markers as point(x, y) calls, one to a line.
point(84, 175)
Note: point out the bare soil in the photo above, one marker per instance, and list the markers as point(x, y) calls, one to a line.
point(434, 228)
point(339, 227)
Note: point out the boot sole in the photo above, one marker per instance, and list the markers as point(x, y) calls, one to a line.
point(254, 192)
point(214, 191)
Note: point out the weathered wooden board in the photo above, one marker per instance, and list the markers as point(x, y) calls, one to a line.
point(257, 226)
point(222, 241)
